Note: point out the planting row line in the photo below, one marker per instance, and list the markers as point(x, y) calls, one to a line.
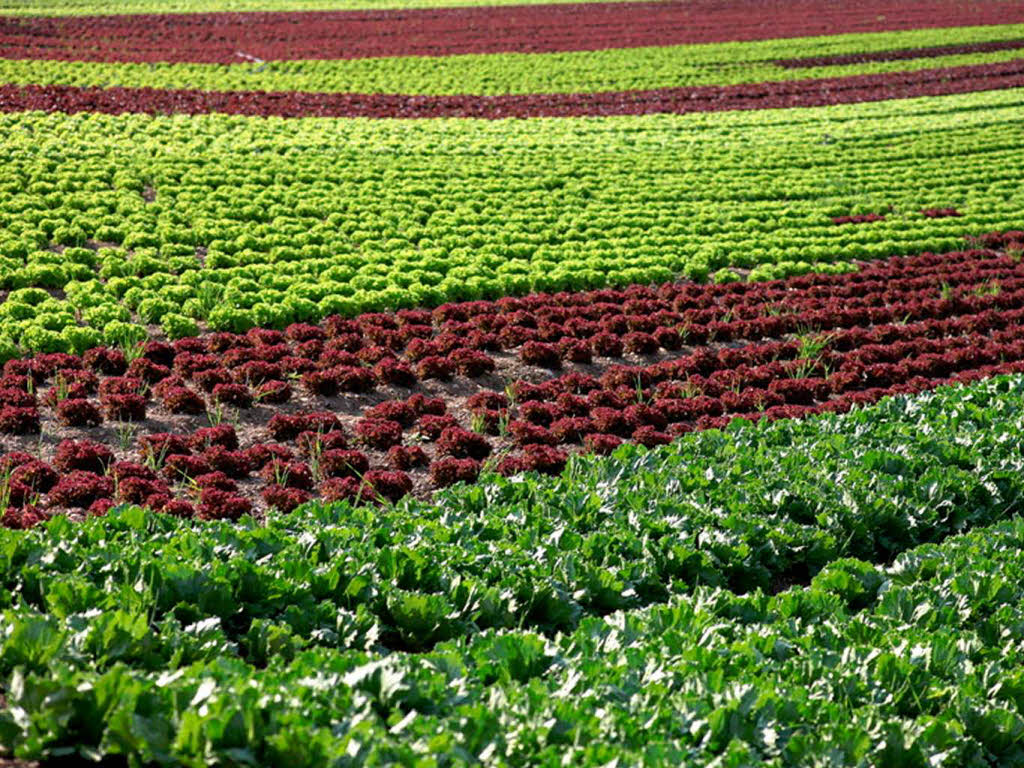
point(94, 8)
point(219, 38)
point(901, 54)
point(348, 216)
point(336, 392)
point(811, 92)
point(576, 327)
point(674, 314)
point(245, 375)
point(920, 287)
point(679, 313)
point(206, 475)
point(617, 69)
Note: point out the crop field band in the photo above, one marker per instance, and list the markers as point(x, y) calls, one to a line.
point(652, 396)
point(439, 32)
point(499, 74)
point(957, 321)
point(380, 614)
point(801, 93)
point(165, 238)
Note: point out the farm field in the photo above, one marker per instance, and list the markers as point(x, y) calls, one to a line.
point(522, 384)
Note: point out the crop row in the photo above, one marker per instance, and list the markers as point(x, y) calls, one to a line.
point(287, 643)
point(200, 474)
point(164, 221)
point(941, 81)
point(616, 69)
point(370, 414)
point(645, 319)
point(94, 8)
point(901, 54)
point(219, 38)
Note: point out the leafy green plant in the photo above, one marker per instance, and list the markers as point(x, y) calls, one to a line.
point(478, 424)
point(176, 326)
point(127, 336)
point(811, 344)
point(126, 431)
point(988, 288)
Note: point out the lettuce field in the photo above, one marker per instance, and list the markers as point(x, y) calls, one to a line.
point(430, 383)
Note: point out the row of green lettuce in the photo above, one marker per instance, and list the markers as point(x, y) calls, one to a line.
point(615, 69)
point(109, 223)
point(759, 595)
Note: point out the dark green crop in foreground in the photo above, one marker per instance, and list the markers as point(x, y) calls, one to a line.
point(594, 616)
